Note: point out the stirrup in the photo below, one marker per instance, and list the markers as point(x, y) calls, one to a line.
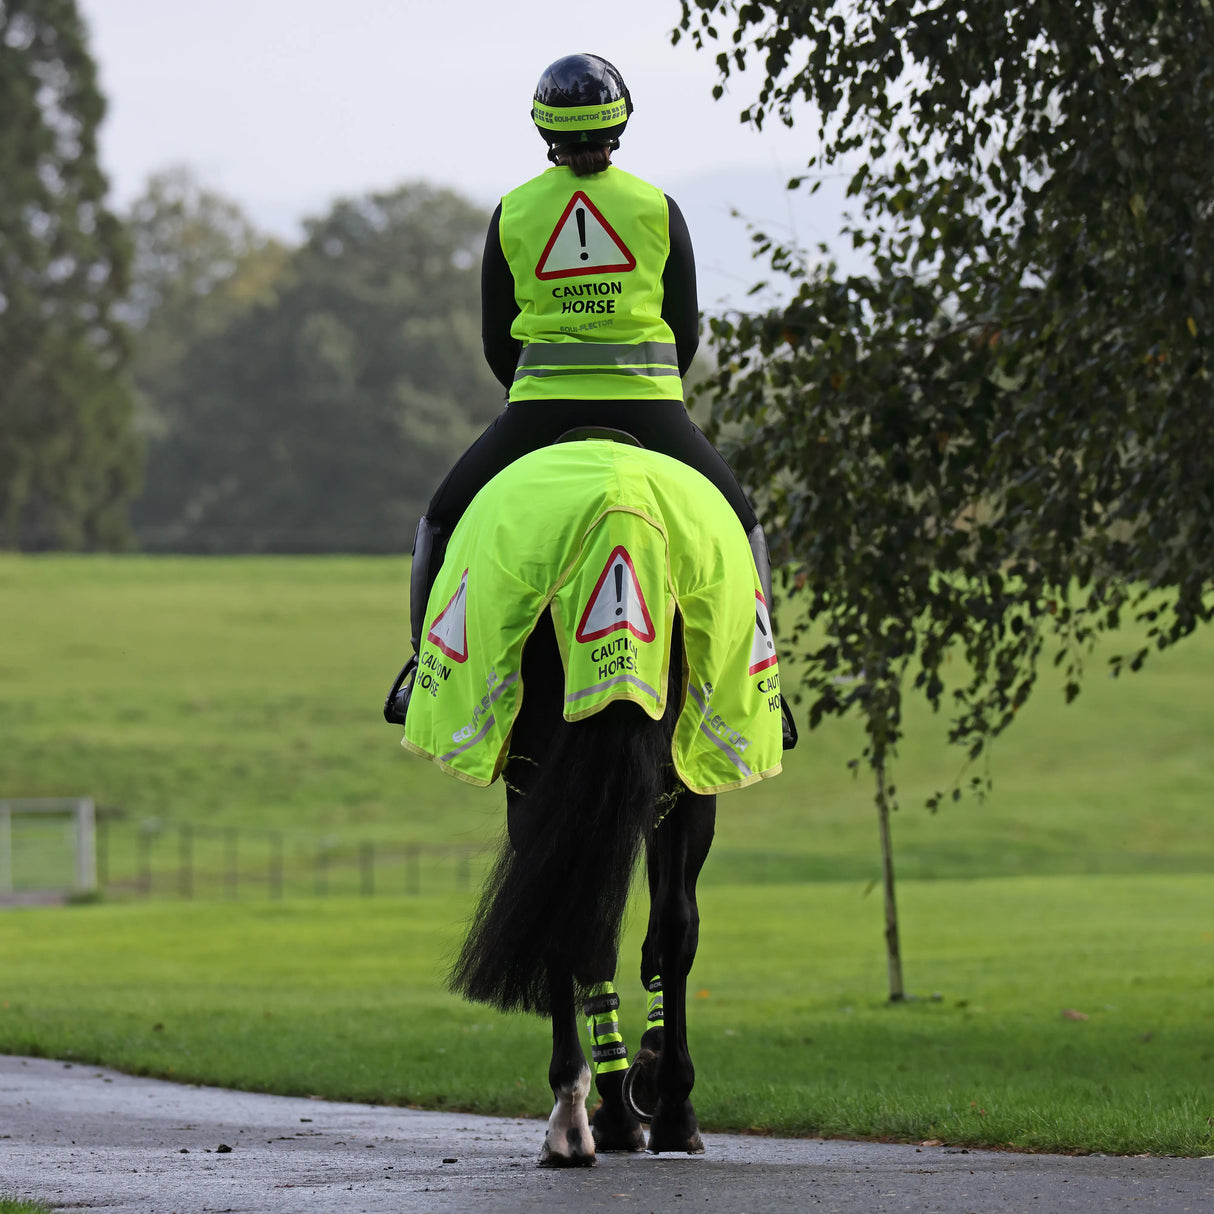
point(788, 725)
point(396, 706)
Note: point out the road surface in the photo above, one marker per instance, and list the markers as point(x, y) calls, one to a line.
point(85, 1138)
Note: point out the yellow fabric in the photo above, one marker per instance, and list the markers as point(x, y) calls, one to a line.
point(587, 256)
point(579, 118)
point(551, 531)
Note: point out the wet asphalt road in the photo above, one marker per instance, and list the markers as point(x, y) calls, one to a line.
point(85, 1138)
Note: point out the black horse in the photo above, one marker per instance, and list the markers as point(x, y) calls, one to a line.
point(584, 800)
point(635, 776)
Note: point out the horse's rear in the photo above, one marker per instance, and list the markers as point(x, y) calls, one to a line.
point(584, 800)
point(629, 673)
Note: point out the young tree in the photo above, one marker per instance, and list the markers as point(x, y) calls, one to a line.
point(69, 459)
point(999, 437)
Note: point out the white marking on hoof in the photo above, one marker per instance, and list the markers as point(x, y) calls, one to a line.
point(568, 1142)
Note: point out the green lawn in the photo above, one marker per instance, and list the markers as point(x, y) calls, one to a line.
point(1057, 1013)
point(244, 693)
point(247, 691)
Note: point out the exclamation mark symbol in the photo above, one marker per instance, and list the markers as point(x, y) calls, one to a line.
point(580, 216)
point(759, 621)
point(619, 585)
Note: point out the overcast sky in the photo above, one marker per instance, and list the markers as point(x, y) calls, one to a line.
point(284, 105)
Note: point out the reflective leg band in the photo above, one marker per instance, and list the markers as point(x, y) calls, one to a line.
point(607, 1049)
point(654, 1019)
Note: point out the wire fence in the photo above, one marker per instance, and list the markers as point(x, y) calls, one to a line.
point(158, 858)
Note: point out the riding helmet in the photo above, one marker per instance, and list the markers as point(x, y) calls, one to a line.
point(581, 99)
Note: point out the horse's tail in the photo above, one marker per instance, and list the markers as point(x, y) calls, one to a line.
point(555, 898)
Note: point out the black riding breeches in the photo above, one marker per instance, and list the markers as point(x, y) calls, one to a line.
point(528, 425)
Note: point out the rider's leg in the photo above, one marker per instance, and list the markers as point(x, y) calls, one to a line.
point(758, 550)
point(429, 542)
point(674, 433)
point(513, 433)
point(501, 442)
point(757, 539)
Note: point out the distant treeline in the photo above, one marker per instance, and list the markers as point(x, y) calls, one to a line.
point(302, 399)
point(175, 380)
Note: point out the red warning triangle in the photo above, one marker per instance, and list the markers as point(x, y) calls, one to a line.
point(450, 628)
point(616, 602)
point(583, 242)
point(763, 650)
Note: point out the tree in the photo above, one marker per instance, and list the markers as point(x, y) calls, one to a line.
point(999, 438)
point(69, 459)
point(322, 418)
point(199, 262)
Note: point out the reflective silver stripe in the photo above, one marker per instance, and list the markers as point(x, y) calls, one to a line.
point(602, 356)
point(651, 372)
point(484, 729)
point(574, 696)
point(727, 750)
point(724, 747)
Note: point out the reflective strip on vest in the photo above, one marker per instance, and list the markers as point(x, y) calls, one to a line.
point(649, 358)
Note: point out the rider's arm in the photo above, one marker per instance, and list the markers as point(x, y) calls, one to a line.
point(498, 307)
point(680, 306)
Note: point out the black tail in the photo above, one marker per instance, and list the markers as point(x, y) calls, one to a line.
point(581, 806)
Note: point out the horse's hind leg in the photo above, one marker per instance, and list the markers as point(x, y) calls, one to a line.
point(614, 1127)
point(682, 844)
point(568, 1142)
point(640, 1086)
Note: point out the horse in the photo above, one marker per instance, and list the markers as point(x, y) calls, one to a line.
point(605, 710)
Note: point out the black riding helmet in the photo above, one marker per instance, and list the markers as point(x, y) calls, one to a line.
point(581, 99)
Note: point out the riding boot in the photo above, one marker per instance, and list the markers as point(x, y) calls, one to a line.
point(762, 559)
point(429, 545)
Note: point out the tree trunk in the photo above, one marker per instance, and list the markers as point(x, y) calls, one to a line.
point(893, 949)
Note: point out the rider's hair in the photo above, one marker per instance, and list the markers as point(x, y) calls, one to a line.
point(584, 159)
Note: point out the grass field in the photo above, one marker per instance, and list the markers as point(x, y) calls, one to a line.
point(1072, 1013)
point(245, 693)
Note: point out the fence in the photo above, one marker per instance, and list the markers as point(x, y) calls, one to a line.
point(47, 843)
point(160, 858)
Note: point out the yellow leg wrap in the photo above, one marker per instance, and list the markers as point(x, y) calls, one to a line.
point(654, 1018)
point(607, 1049)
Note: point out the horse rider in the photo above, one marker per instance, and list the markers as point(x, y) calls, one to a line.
point(589, 314)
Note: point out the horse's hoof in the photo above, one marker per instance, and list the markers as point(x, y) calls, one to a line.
point(692, 1145)
point(640, 1087)
point(616, 1129)
point(550, 1159)
point(675, 1131)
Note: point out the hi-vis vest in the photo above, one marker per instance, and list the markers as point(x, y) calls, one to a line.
point(614, 539)
point(587, 255)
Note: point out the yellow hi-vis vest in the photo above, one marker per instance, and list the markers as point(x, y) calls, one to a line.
point(613, 539)
point(587, 255)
